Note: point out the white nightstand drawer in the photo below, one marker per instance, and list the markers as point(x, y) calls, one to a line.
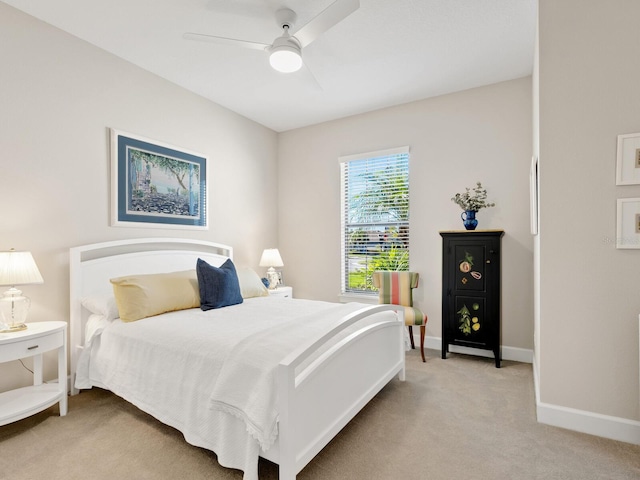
point(31, 346)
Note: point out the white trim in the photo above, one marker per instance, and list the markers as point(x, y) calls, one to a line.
point(607, 426)
point(514, 354)
point(375, 154)
point(536, 381)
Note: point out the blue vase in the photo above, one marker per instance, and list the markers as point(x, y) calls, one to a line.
point(469, 219)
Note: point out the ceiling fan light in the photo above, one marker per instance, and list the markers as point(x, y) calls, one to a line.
point(285, 59)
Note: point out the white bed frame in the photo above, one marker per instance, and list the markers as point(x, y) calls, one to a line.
point(315, 403)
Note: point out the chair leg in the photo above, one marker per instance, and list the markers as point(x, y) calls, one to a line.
point(413, 347)
point(422, 332)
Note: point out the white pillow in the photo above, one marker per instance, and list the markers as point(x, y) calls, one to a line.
point(250, 283)
point(104, 305)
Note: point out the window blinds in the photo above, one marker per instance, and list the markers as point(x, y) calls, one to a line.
point(375, 216)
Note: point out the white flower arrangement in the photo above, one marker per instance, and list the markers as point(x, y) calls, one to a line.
point(473, 199)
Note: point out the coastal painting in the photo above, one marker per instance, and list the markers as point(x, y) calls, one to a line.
point(154, 184)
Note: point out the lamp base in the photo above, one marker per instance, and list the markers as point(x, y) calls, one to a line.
point(16, 327)
point(272, 276)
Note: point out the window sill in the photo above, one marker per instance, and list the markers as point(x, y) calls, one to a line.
point(360, 298)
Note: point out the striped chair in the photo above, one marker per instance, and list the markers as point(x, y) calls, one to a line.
point(396, 288)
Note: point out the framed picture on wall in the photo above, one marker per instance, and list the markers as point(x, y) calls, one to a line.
point(154, 184)
point(628, 223)
point(628, 159)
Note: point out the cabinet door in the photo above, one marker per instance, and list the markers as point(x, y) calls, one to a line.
point(470, 320)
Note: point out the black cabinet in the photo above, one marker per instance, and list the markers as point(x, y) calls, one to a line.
point(471, 290)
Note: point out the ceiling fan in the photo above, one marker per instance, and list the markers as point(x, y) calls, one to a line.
point(285, 53)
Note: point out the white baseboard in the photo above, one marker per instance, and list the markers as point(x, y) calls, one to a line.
point(614, 428)
point(508, 353)
point(606, 426)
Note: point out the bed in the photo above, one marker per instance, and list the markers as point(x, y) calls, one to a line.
point(270, 377)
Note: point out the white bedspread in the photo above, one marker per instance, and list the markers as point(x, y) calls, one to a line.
point(193, 370)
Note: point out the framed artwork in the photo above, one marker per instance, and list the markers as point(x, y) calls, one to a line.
point(280, 278)
point(154, 184)
point(628, 159)
point(628, 224)
point(533, 195)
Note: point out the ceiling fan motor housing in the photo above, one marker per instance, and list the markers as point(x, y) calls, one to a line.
point(287, 42)
point(286, 18)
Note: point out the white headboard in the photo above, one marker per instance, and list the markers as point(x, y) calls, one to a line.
point(91, 267)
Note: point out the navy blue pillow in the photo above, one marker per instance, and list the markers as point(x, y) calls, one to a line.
point(219, 287)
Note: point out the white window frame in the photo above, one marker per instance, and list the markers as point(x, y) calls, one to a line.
point(345, 293)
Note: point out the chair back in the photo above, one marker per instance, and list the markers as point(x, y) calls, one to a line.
point(395, 288)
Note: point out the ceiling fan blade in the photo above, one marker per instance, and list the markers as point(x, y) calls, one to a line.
point(313, 78)
point(330, 16)
point(201, 37)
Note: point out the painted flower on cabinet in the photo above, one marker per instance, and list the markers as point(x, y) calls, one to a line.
point(468, 321)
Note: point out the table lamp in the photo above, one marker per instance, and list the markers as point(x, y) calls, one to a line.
point(16, 268)
point(271, 258)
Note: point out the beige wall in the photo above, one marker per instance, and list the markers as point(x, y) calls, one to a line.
point(589, 304)
point(58, 97)
point(481, 134)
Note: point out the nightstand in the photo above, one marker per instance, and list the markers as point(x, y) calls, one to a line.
point(37, 339)
point(284, 292)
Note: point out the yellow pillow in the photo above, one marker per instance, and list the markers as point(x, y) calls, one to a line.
point(141, 296)
point(250, 283)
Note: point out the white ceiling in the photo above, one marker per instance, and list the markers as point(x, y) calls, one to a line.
point(386, 53)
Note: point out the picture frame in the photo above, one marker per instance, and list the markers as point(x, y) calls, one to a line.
point(628, 159)
point(628, 223)
point(156, 185)
point(533, 195)
point(280, 279)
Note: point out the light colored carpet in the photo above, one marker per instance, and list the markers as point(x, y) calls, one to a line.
point(459, 418)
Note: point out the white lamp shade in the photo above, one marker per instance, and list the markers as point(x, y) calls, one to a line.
point(18, 268)
point(271, 258)
point(285, 59)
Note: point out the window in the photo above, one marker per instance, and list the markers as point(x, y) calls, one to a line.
point(375, 216)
